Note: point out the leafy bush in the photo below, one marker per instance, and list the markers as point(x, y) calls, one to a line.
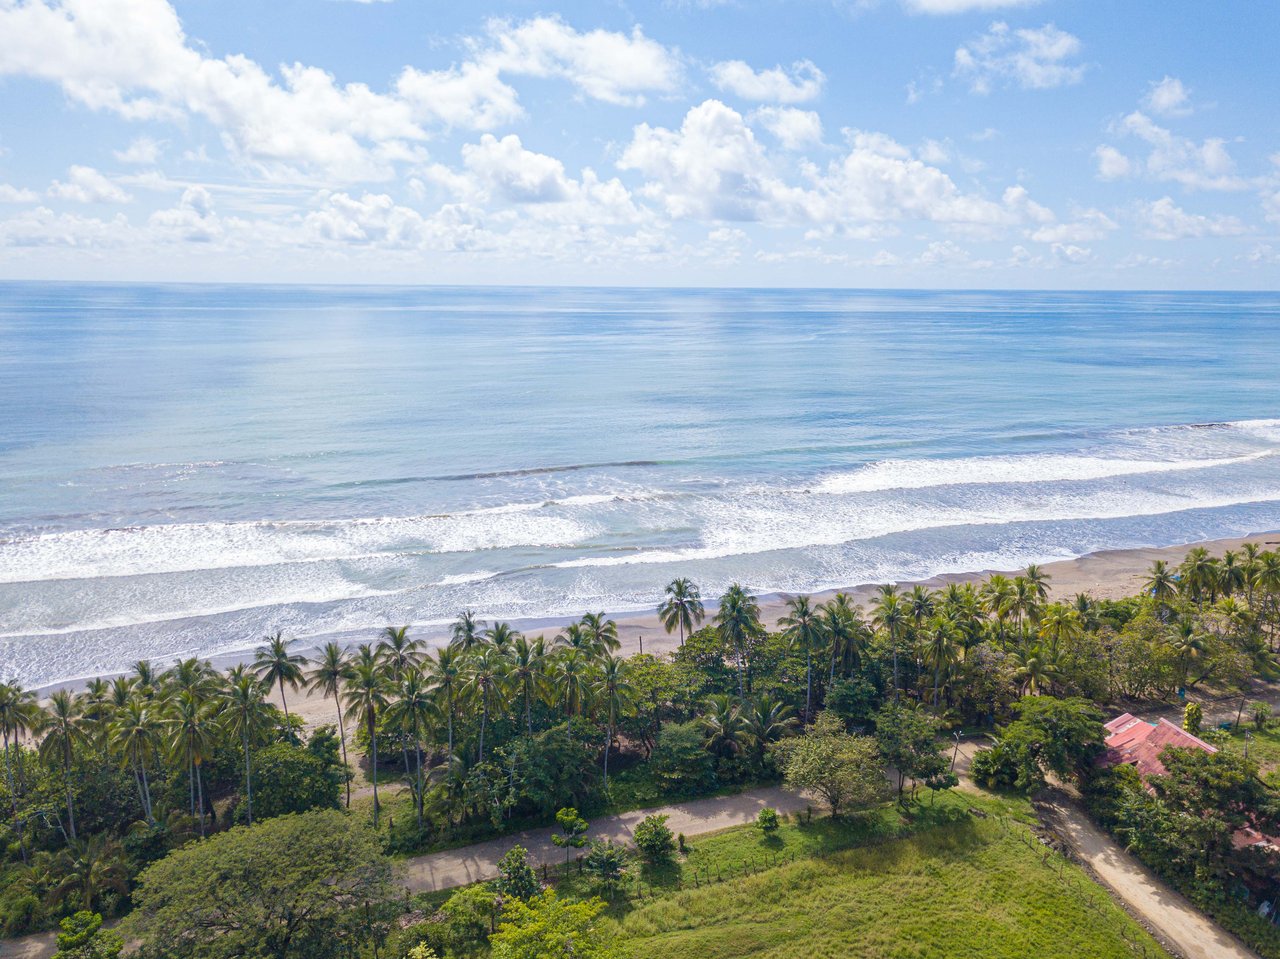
point(767, 820)
point(653, 838)
point(291, 779)
point(681, 762)
point(516, 878)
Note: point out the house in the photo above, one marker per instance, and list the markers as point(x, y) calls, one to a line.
point(1136, 742)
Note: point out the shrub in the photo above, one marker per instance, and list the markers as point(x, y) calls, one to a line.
point(1192, 717)
point(768, 819)
point(681, 762)
point(1261, 713)
point(653, 838)
point(516, 878)
point(291, 779)
point(607, 862)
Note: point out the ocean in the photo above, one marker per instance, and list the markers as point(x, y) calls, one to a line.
point(186, 468)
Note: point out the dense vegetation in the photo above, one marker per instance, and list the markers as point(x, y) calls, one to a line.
point(497, 730)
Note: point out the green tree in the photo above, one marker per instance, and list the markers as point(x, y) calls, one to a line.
point(802, 627)
point(82, 937)
point(573, 830)
point(276, 666)
point(291, 780)
point(738, 624)
point(606, 862)
point(365, 692)
point(516, 878)
point(613, 693)
point(247, 714)
point(1061, 736)
point(1192, 717)
point(652, 837)
point(682, 609)
point(287, 888)
point(908, 741)
point(63, 733)
point(680, 761)
point(891, 616)
point(843, 769)
point(548, 927)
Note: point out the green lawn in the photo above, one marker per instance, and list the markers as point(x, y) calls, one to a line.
point(962, 889)
point(1264, 749)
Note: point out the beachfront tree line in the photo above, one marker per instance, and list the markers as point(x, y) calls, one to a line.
point(496, 729)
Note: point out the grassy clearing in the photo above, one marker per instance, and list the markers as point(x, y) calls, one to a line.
point(963, 889)
point(1264, 749)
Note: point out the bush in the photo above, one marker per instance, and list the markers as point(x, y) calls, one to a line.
point(82, 937)
point(607, 862)
point(1192, 717)
point(516, 878)
point(681, 762)
point(291, 779)
point(768, 819)
point(653, 838)
point(1261, 713)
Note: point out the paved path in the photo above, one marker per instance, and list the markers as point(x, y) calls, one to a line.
point(458, 867)
point(1179, 922)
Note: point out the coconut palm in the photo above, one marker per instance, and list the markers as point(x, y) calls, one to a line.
point(191, 736)
point(764, 720)
point(445, 673)
point(1231, 573)
point(84, 870)
point(1060, 624)
point(890, 615)
point(246, 713)
point(1249, 567)
point(276, 666)
point(847, 633)
point(1039, 580)
point(1034, 670)
point(602, 632)
point(721, 724)
point(191, 675)
point(467, 631)
point(1199, 575)
point(615, 695)
point(1161, 582)
point(144, 678)
point(738, 623)
point(331, 670)
point(527, 661)
point(412, 711)
point(572, 675)
point(682, 609)
point(20, 714)
point(501, 636)
point(940, 650)
point(484, 671)
point(802, 627)
point(63, 733)
point(398, 652)
point(997, 594)
point(1189, 644)
point(921, 604)
point(135, 735)
point(365, 693)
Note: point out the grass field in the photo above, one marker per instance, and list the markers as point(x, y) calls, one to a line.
point(965, 889)
point(1264, 749)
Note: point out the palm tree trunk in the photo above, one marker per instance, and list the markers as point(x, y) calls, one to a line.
point(342, 738)
point(373, 740)
point(146, 791)
point(284, 702)
point(200, 798)
point(66, 775)
point(484, 721)
point(808, 684)
point(608, 741)
point(450, 730)
point(248, 781)
point(528, 713)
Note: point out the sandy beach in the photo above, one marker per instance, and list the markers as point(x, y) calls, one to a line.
point(1108, 574)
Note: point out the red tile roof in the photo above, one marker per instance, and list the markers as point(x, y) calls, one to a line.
point(1139, 743)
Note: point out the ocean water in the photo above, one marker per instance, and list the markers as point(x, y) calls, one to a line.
point(184, 468)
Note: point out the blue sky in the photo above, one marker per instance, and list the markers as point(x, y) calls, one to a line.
point(951, 143)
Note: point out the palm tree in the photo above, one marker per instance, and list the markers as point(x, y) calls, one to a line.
point(802, 627)
point(682, 609)
point(527, 669)
point(941, 650)
point(764, 720)
point(191, 722)
point(97, 711)
point(246, 712)
point(500, 636)
point(890, 616)
point(86, 869)
point(144, 678)
point(602, 632)
point(575, 636)
point(445, 673)
point(738, 622)
point(483, 673)
point(412, 711)
point(1249, 566)
point(1034, 670)
point(467, 631)
point(399, 654)
point(364, 691)
point(922, 603)
point(276, 666)
point(1161, 582)
point(19, 714)
point(722, 725)
point(1200, 574)
point(1231, 573)
point(191, 675)
point(62, 734)
point(1039, 581)
point(571, 672)
point(616, 695)
point(1060, 624)
point(135, 735)
point(1189, 644)
point(332, 670)
point(996, 594)
point(845, 630)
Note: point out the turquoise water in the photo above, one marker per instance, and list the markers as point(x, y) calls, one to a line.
point(183, 468)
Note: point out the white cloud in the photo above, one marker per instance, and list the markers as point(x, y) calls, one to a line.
point(13, 194)
point(1168, 98)
point(192, 219)
point(776, 85)
point(1032, 59)
point(41, 227)
point(1165, 220)
point(792, 128)
point(1198, 166)
point(1088, 225)
point(963, 6)
point(520, 175)
point(1112, 164)
point(86, 185)
point(142, 150)
point(132, 57)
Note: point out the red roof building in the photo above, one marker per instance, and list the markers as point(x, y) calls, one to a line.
point(1138, 743)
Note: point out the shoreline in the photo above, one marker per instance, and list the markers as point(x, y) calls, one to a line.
point(1104, 574)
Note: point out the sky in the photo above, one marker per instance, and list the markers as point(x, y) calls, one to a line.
point(1063, 144)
